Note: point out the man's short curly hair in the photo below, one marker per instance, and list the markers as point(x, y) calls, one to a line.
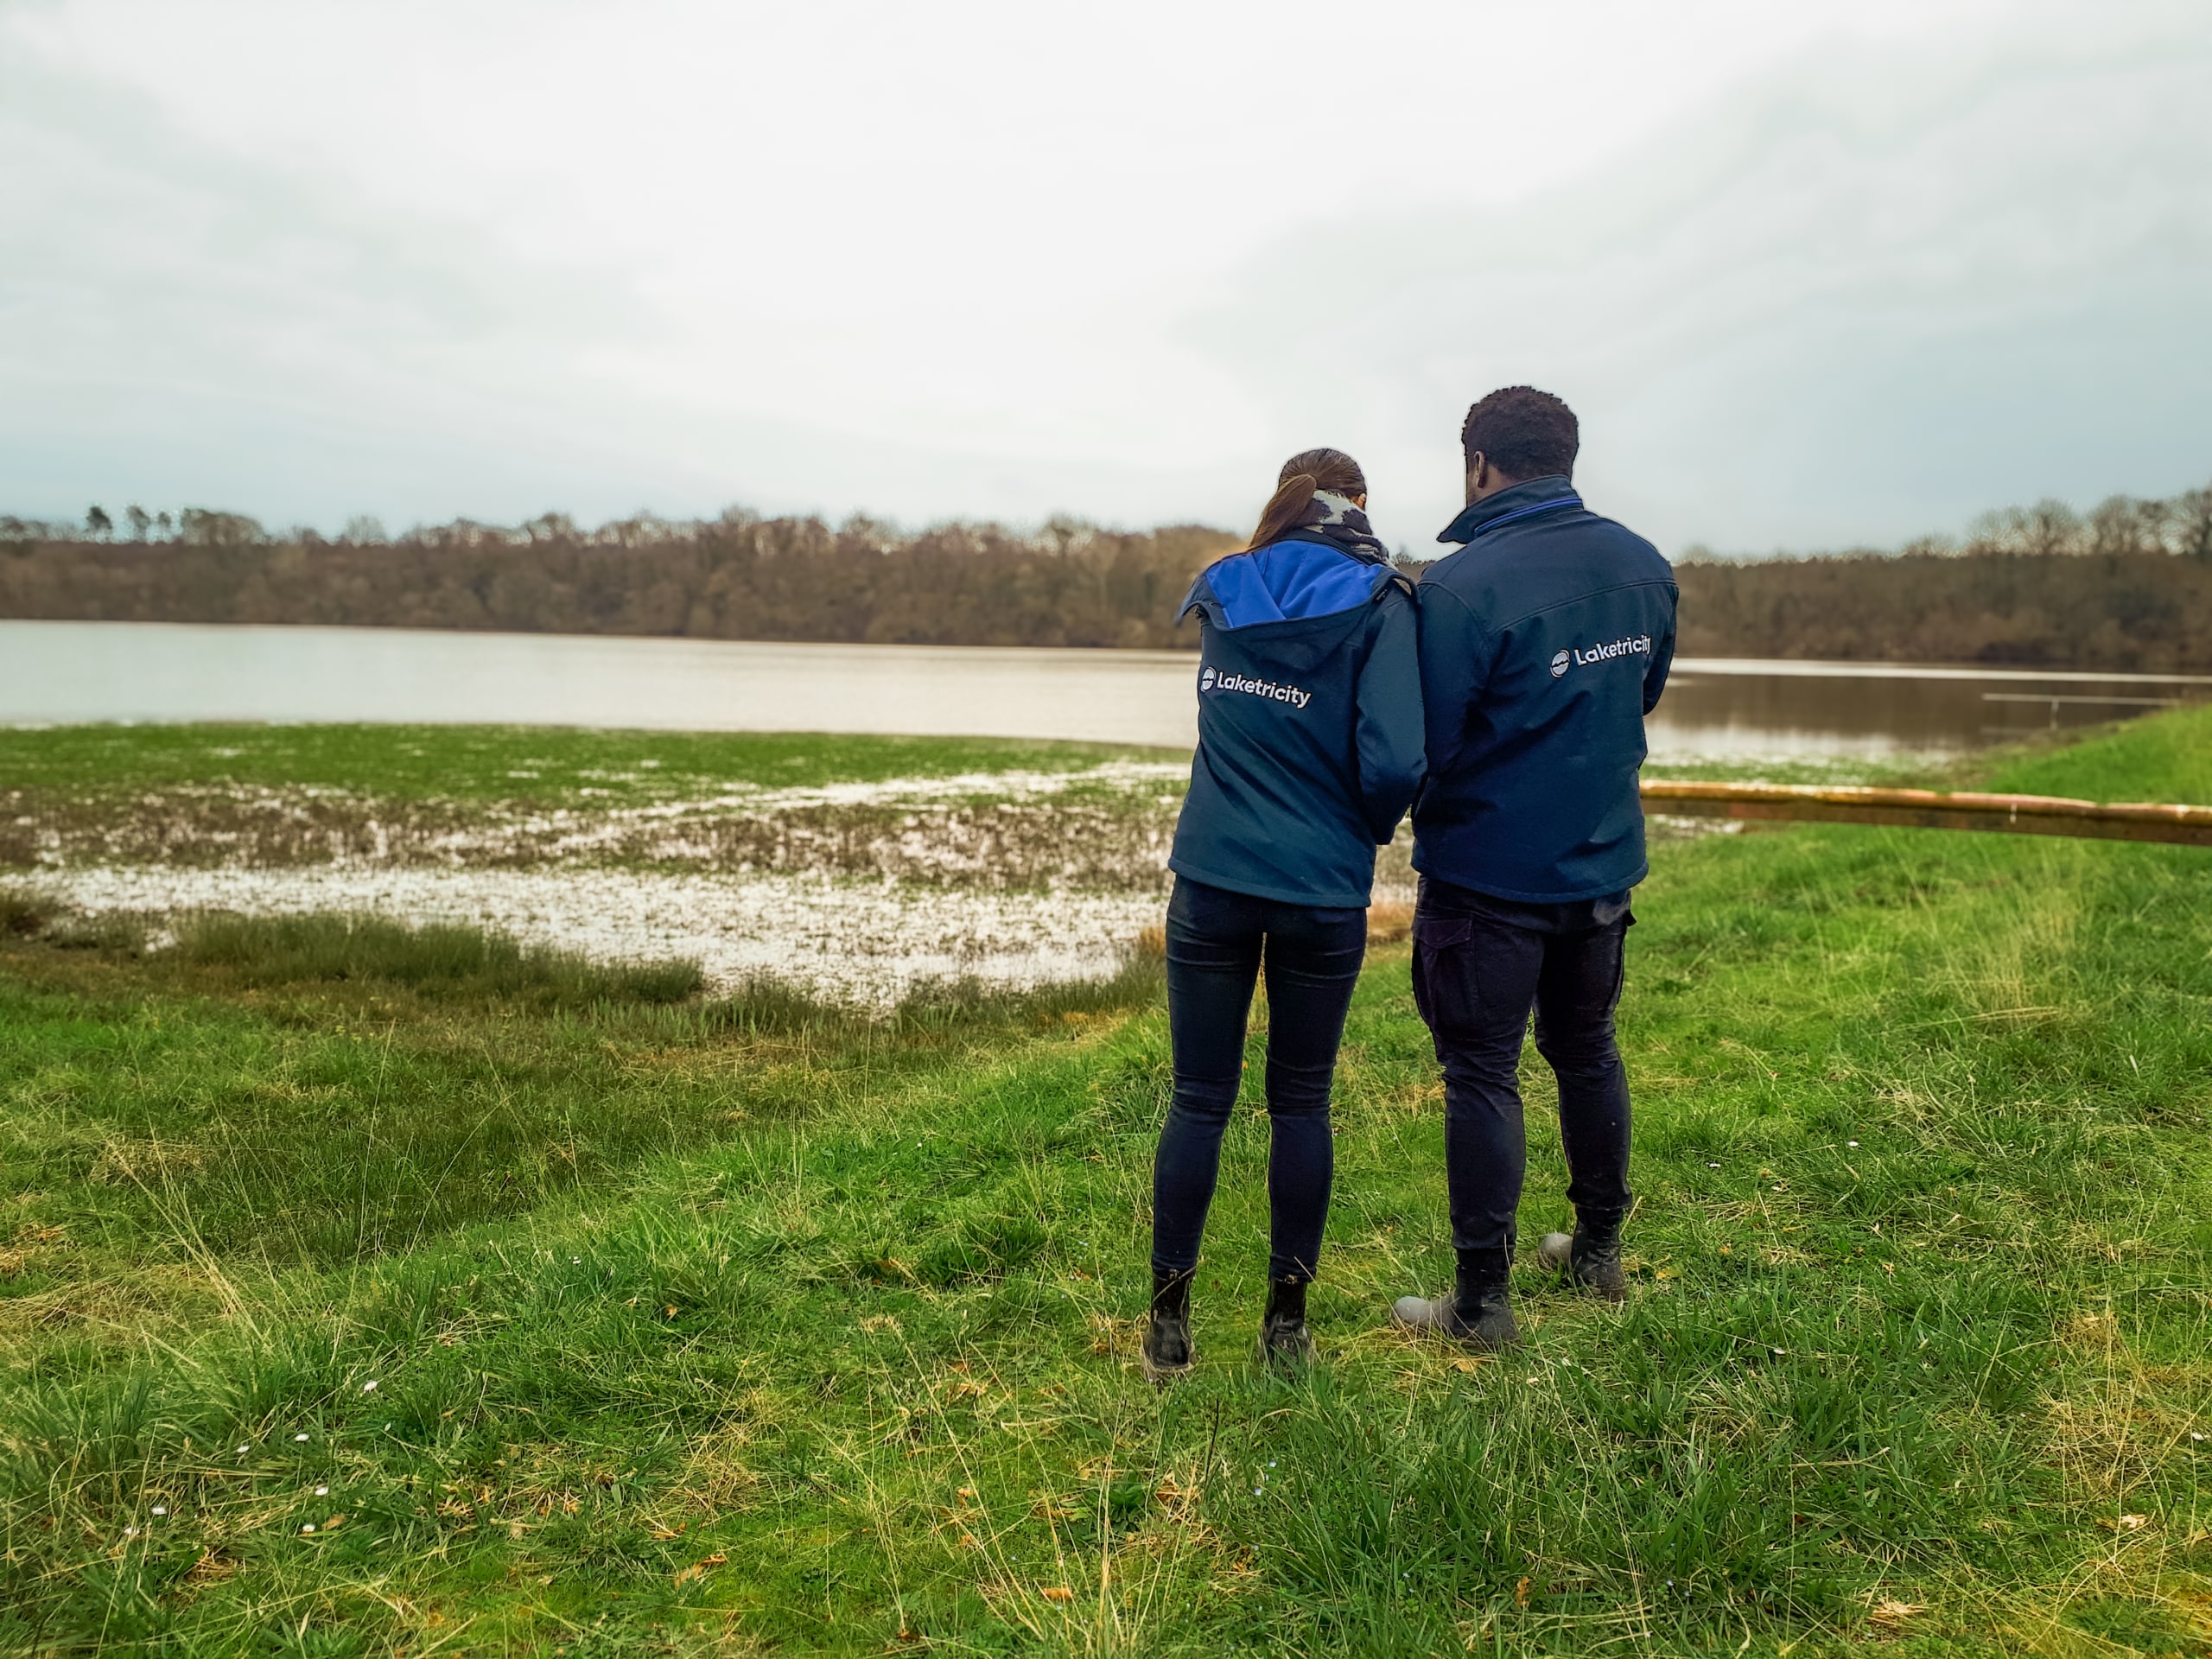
point(1523, 433)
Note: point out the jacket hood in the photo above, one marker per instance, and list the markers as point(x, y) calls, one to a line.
point(1290, 580)
point(1525, 499)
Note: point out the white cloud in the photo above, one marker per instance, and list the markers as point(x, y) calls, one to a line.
point(1820, 272)
point(1864, 299)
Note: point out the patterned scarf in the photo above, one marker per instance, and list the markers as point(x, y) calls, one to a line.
point(1332, 518)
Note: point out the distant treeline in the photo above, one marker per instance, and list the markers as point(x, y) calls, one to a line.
point(2129, 613)
point(2127, 588)
point(737, 577)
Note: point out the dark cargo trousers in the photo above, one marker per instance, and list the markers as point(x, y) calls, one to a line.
point(1480, 964)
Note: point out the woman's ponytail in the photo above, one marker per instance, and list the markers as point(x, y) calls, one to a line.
point(1284, 509)
point(1305, 473)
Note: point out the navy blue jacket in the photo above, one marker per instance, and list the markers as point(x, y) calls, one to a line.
point(1544, 642)
point(1309, 723)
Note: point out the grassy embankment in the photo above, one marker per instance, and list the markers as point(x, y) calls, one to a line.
point(571, 1320)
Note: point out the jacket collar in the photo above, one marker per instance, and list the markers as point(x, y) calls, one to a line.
point(1531, 495)
point(1354, 541)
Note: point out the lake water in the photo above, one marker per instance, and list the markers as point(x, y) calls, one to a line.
point(56, 672)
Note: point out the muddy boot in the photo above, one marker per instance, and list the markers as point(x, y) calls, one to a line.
point(1167, 1352)
point(1479, 1312)
point(1591, 1258)
point(1285, 1342)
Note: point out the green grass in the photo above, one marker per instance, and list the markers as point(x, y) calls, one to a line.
point(496, 763)
point(452, 963)
point(755, 1327)
point(2147, 760)
point(326, 1089)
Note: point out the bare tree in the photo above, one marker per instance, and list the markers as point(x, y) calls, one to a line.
point(2049, 527)
point(2124, 525)
point(2154, 526)
point(206, 527)
point(98, 525)
point(139, 520)
point(550, 527)
point(2192, 523)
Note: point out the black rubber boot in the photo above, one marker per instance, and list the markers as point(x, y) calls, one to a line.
point(1592, 1258)
point(1285, 1342)
point(1479, 1313)
point(1167, 1352)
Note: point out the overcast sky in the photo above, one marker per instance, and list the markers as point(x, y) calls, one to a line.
point(1813, 275)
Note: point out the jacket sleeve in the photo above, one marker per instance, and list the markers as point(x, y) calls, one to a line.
point(1456, 654)
point(1662, 657)
point(1390, 733)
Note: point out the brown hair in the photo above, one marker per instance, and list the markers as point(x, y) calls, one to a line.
point(1304, 473)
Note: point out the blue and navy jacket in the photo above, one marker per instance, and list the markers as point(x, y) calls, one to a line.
point(1544, 642)
point(1309, 723)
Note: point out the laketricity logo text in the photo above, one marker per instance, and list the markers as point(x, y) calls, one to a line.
point(1634, 646)
point(1210, 681)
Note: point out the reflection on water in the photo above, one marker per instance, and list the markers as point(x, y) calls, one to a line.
point(1721, 708)
point(67, 671)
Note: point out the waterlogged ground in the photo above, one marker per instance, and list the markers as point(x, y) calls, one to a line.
point(857, 868)
point(870, 943)
point(1104, 826)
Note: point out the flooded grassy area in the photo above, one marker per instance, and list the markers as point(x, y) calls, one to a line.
point(967, 812)
point(540, 766)
point(860, 868)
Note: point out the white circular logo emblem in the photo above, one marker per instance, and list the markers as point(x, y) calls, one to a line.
point(1559, 664)
point(1205, 679)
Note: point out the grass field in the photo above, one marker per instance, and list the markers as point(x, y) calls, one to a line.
point(363, 1291)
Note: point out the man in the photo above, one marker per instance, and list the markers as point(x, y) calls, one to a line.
point(1544, 642)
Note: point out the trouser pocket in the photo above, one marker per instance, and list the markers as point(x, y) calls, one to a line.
point(1442, 989)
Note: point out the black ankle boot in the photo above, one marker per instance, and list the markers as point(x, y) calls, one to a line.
point(1284, 1339)
point(1595, 1258)
point(1479, 1312)
point(1484, 1302)
point(1592, 1258)
point(1167, 1352)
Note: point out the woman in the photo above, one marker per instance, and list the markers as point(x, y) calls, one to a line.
point(1309, 753)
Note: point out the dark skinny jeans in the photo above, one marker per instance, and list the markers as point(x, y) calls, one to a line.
point(1216, 941)
point(1479, 964)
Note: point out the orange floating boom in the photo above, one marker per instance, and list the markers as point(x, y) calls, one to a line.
point(1928, 809)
